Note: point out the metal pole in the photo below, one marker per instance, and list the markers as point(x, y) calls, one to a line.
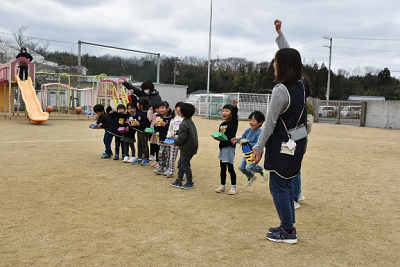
point(329, 69)
point(158, 68)
point(209, 62)
point(79, 53)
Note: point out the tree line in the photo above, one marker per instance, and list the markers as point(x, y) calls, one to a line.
point(235, 74)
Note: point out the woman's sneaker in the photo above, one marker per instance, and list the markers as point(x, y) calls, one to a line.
point(283, 236)
point(151, 158)
point(274, 229)
point(126, 159)
point(116, 157)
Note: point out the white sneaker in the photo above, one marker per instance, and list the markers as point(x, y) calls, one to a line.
point(126, 158)
point(131, 159)
point(296, 205)
point(220, 189)
point(301, 197)
point(151, 158)
point(232, 191)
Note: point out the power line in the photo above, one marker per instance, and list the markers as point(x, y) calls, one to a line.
point(367, 61)
point(357, 48)
point(371, 39)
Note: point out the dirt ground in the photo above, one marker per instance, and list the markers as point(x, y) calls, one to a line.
point(61, 205)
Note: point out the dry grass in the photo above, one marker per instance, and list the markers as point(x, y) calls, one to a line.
point(61, 205)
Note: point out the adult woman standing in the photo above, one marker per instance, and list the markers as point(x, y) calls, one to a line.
point(23, 66)
point(284, 152)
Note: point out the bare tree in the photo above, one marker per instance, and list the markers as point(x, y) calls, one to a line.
point(33, 44)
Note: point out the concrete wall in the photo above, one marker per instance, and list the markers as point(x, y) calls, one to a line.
point(383, 114)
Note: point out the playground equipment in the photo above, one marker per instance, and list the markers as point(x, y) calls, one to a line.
point(58, 95)
point(7, 73)
point(63, 98)
point(35, 112)
point(108, 89)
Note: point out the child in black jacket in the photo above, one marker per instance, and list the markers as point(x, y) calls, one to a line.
point(161, 127)
point(226, 148)
point(117, 120)
point(103, 122)
point(129, 137)
point(141, 123)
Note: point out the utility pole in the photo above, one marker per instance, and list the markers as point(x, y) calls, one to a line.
point(329, 69)
point(176, 69)
point(209, 63)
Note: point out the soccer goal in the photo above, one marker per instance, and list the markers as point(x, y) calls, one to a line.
point(247, 103)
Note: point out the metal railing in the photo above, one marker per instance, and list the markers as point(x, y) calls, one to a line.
point(340, 112)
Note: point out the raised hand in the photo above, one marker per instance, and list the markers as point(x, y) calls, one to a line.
point(278, 26)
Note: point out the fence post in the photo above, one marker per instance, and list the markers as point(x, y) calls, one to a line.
point(338, 113)
point(363, 112)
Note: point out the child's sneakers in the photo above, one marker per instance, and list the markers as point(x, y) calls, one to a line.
point(116, 157)
point(155, 165)
point(126, 158)
point(145, 162)
point(177, 184)
point(187, 185)
point(106, 156)
point(136, 161)
point(265, 174)
point(131, 159)
point(250, 180)
point(158, 171)
point(232, 191)
point(220, 189)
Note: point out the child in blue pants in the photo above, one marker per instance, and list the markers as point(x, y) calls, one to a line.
point(250, 138)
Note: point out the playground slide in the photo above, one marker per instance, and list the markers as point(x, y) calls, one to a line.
point(32, 104)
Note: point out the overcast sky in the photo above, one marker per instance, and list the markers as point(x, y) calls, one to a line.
point(239, 28)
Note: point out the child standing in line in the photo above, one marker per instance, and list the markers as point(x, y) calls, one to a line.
point(129, 137)
point(141, 123)
point(117, 120)
point(256, 120)
point(161, 127)
point(188, 144)
point(226, 148)
point(153, 116)
point(103, 122)
point(173, 133)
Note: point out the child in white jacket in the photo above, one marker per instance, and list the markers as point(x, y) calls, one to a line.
point(173, 132)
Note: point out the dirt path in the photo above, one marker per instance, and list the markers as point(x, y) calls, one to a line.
point(61, 205)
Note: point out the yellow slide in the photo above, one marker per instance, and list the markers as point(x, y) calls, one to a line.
point(32, 104)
